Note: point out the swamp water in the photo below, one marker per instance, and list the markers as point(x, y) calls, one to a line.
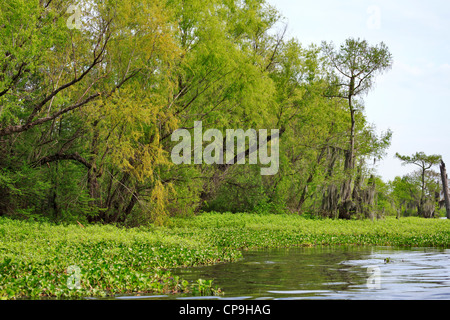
point(368, 273)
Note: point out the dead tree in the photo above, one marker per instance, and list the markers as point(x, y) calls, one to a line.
point(445, 188)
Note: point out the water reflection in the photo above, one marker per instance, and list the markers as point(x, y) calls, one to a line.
point(331, 273)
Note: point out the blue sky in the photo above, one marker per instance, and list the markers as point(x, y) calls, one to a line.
point(413, 98)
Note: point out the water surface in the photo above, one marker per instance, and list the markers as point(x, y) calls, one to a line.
point(332, 273)
point(339, 272)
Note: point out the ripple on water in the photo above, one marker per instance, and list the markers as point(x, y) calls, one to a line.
point(330, 273)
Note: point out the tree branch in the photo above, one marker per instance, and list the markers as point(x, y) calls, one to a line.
point(97, 60)
point(20, 128)
point(58, 157)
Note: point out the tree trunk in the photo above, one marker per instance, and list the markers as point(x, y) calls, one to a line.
point(445, 188)
point(115, 209)
point(303, 196)
point(349, 163)
point(133, 201)
point(93, 186)
point(310, 179)
point(422, 195)
point(347, 205)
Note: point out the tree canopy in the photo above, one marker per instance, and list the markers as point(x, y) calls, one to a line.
point(90, 97)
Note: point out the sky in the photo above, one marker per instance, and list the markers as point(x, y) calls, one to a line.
point(412, 99)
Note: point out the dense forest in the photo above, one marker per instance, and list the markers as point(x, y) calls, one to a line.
point(91, 93)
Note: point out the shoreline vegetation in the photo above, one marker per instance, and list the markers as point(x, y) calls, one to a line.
point(38, 259)
point(99, 198)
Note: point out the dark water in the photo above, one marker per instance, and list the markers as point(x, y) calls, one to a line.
point(368, 273)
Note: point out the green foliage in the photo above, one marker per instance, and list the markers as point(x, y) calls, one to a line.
point(35, 256)
point(420, 159)
point(86, 114)
point(266, 231)
point(422, 187)
point(358, 63)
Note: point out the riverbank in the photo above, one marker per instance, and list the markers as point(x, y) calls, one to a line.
point(39, 260)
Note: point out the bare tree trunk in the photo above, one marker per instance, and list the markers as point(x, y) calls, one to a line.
point(445, 188)
point(420, 209)
point(349, 163)
point(347, 205)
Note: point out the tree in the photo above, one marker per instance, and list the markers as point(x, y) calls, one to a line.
point(444, 179)
point(425, 163)
point(354, 68)
point(406, 193)
point(84, 105)
point(86, 114)
point(222, 79)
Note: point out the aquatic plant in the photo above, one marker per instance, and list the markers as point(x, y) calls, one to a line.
point(40, 260)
